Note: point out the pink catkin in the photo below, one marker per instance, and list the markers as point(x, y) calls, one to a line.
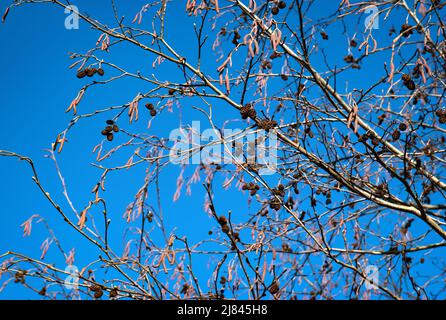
point(27, 225)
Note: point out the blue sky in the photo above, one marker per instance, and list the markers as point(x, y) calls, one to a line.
point(36, 87)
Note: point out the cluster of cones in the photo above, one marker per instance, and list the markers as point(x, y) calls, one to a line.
point(90, 72)
point(111, 128)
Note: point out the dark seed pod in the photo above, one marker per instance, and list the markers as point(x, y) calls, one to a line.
point(115, 128)
point(252, 113)
point(396, 135)
point(349, 58)
point(171, 92)
point(113, 293)
point(222, 220)
point(406, 30)
point(282, 5)
point(153, 112)
point(95, 287)
point(274, 288)
point(149, 106)
point(225, 228)
point(440, 112)
point(89, 72)
point(109, 128)
point(418, 163)
point(275, 10)
point(109, 122)
point(104, 132)
point(101, 72)
point(411, 85)
point(353, 43)
point(324, 35)
point(110, 137)
point(381, 119)
point(42, 292)
point(81, 74)
point(402, 126)
point(98, 293)
point(408, 82)
point(406, 77)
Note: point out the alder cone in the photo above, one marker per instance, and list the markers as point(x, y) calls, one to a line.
point(410, 85)
point(406, 30)
point(222, 220)
point(274, 288)
point(81, 74)
point(440, 113)
point(98, 293)
point(113, 293)
point(90, 73)
point(396, 135)
point(349, 58)
point(408, 82)
point(42, 292)
point(225, 228)
point(110, 137)
point(405, 77)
